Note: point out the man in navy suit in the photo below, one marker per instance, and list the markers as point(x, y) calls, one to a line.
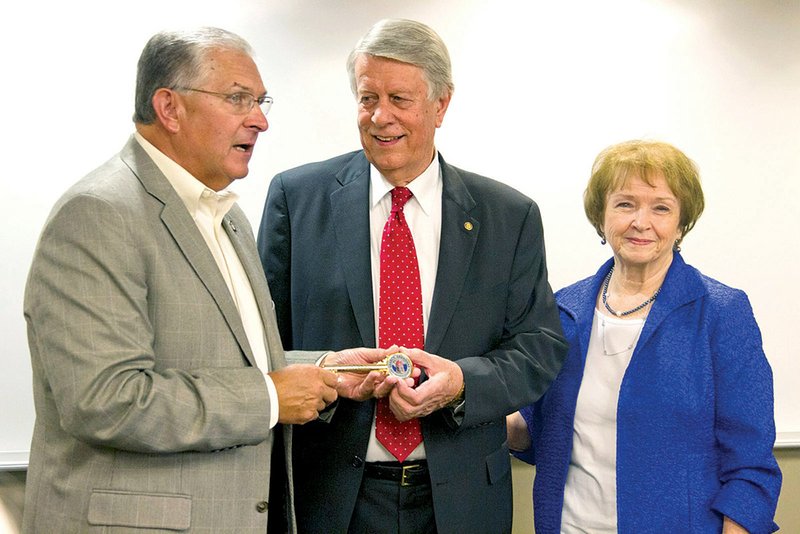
point(492, 337)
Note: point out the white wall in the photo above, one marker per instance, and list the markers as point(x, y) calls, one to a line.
point(541, 87)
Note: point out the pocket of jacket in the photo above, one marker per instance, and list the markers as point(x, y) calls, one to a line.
point(498, 464)
point(168, 511)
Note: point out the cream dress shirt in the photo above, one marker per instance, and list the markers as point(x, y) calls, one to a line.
point(208, 208)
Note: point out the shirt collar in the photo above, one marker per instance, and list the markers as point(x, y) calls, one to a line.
point(189, 189)
point(423, 186)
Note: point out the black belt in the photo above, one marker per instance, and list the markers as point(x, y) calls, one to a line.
point(407, 474)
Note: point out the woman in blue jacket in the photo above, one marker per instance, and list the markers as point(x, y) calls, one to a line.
point(661, 419)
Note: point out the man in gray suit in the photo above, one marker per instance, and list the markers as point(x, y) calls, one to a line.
point(160, 383)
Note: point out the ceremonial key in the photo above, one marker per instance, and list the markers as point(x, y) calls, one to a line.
point(396, 364)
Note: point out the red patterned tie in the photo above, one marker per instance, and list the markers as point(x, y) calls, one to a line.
point(400, 318)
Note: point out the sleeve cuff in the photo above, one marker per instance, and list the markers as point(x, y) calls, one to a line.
point(748, 504)
point(274, 411)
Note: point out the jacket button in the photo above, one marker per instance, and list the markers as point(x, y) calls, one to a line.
point(262, 507)
point(357, 462)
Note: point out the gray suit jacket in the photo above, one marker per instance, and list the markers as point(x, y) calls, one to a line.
point(149, 410)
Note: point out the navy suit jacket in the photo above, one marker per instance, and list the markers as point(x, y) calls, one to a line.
point(493, 312)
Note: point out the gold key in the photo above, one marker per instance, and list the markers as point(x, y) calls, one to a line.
point(396, 364)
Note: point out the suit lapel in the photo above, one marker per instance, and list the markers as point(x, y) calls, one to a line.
point(179, 223)
point(238, 230)
point(457, 246)
point(350, 208)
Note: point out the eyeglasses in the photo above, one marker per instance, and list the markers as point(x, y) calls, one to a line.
point(242, 102)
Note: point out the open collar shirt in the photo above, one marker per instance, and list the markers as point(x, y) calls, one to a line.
point(208, 208)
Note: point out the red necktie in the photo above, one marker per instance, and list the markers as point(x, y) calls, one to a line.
point(400, 318)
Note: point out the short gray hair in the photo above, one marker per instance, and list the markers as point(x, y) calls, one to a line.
point(410, 42)
point(177, 59)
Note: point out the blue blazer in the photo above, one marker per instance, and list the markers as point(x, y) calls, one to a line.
point(695, 426)
point(493, 311)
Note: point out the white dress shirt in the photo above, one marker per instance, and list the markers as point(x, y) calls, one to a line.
point(590, 494)
point(208, 208)
point(423, 213)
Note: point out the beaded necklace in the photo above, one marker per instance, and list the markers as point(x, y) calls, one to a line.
point(604, 296)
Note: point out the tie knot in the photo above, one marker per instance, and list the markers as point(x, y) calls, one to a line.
point(400, 196)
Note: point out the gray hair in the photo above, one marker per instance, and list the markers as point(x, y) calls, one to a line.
point(410, 42)
point(177, 59)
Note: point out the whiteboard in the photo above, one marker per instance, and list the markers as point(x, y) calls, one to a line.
point(541, 88)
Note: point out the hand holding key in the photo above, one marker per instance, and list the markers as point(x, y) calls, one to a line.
point(365, 373)
point(396, 364)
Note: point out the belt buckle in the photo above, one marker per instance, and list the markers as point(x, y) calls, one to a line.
point(406, 474)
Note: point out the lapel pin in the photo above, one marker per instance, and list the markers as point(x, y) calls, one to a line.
point(233, 226)
point(468, 226)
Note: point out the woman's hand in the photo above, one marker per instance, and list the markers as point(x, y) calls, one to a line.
point(517, 429)
point(729, 526)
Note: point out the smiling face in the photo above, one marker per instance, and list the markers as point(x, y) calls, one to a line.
point(641, 223)
point(213, 142)
point(396, 120)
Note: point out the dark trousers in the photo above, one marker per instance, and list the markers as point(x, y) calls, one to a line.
point(386, 507)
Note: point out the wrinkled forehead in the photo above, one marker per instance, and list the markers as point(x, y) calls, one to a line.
point(393, 75)
point(233, 70)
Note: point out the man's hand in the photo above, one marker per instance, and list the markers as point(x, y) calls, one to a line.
point(362, 386)
point(303, 391)
point(444, 382)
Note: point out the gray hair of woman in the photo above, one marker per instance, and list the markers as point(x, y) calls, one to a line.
point(410, 42)
point(177, 59)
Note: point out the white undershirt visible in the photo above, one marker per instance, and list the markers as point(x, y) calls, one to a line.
point(423, 213)
point(590, 494)
point(208, 208)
